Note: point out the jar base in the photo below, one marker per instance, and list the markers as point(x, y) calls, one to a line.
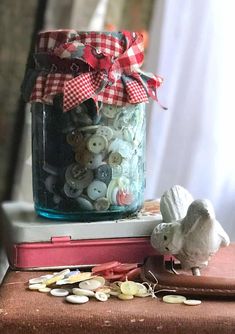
point(85, 216)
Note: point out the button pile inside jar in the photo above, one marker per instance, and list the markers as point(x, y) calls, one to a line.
point(107, 170)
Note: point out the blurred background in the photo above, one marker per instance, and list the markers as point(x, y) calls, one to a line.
point(189, 43)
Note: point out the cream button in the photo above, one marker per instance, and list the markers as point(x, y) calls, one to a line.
point(45, 290)
point(83, 292)
point(102, 204)
point(96, 189)
point(192, 302)
point(114, 159)
point(78, 176)
point(105, 131)
point(74, 299)
point(59, 292)
point(36, 286)
point(101, 296)
point(97, 144)
point(125, 297)
point(90, 284)
point(174, 299)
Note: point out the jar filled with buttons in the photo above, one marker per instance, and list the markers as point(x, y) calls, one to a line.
point(88, 98)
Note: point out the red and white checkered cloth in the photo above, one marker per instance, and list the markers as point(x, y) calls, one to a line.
point(114, 75)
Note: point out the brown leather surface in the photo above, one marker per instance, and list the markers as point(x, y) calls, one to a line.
point(218, 279)
point(23, 311)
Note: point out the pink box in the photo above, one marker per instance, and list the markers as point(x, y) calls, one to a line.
point(63, 252)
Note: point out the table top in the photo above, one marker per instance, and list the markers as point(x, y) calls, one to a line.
point(25, 311)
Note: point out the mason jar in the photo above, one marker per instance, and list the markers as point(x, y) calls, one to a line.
point(88, 166)
point(88, 100)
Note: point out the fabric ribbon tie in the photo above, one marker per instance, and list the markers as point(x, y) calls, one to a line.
point(79, 70)
point(107, 71)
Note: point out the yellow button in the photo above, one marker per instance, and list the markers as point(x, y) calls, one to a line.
point(79, 277)
point(129, 288)
point(174, 299)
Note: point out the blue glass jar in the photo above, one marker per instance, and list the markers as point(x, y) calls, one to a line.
point(88, 165)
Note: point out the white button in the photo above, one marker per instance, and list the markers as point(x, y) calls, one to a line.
point(97, 144)
point(84, 203)
point(71, 192)
point(45, 290)
point(105, 131)
point(114, 196)
point(96, 189)
point(112, 185)
point(101, 296)
point(192, 302)
point(91, 284)
point(174, 299)
point(77, 299)
point(59, 292)
point(50, 183)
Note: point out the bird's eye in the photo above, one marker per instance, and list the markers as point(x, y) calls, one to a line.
point(165, 237)
point(167, 248)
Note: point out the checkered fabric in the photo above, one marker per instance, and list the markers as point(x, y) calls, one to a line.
point(114, 75)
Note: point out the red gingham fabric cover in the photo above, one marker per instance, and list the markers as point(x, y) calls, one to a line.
point(114, 75)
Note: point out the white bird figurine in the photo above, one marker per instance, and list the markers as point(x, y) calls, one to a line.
point(192, 239)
